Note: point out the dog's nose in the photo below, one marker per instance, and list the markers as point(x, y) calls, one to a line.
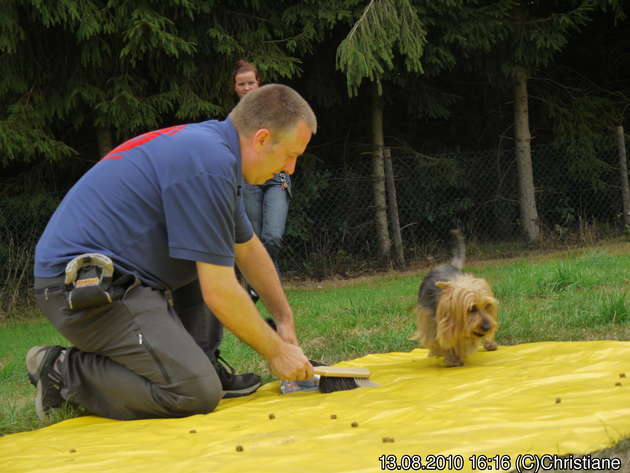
point(485, 326)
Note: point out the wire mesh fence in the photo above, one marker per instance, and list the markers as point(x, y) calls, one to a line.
point(331, 224)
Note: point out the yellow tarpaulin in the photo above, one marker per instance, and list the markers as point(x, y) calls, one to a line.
point(536, 399)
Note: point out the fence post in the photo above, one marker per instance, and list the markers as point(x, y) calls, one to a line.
point(392, 210)
point(623, 171)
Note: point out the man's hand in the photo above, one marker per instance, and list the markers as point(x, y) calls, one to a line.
point(291, 364)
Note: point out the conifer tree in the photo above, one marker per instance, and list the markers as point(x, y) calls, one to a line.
point(539, 31)
point(587, 99)
point(384, 29)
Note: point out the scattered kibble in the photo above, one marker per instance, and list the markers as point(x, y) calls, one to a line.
point(388, 440)
point(622, 375)
point(617, 383)
point(355, 424)
point(239, 448)
point(272, 416)
point(558, 400)
point(193, 431)
point(333, 416)
point(72, 450)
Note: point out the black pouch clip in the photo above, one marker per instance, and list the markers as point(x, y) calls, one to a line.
point(88, 281)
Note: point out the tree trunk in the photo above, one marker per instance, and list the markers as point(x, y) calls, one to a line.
point(378, 178)
point(392, 209)
point(623, 172)
point(522, 136)
point(104, 140)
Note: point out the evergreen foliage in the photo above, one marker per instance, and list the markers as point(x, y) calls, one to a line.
point(130, 66)
point(384, 28)
point(70, 67)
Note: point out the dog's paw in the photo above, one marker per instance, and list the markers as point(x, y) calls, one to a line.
point(451, 359)
point(490, 345)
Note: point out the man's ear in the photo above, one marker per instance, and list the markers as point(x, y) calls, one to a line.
point(261, 138)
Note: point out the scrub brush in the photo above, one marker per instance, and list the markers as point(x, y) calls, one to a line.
point(341, 378)
point(327, 379)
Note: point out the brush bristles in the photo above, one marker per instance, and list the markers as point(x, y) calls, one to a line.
point(329, 384)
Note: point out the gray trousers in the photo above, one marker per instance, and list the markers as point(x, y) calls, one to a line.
point(136, 358)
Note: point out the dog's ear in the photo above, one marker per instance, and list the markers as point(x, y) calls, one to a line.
point(448, 315)
point(448, 327)
point(492, 307)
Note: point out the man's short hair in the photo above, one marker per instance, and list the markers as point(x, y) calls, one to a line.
point(276, 107)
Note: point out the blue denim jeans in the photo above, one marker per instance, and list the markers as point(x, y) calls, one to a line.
point(267, 206)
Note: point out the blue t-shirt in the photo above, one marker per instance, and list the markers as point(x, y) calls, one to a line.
point(155, 205)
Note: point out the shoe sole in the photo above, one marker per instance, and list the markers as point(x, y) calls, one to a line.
point(242, 392)
point(34, 375)
point(39, 402)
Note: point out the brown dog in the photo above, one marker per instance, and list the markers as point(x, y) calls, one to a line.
point(456, 312)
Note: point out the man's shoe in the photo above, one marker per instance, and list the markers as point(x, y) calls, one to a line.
point(234, 385)
point(40, 364)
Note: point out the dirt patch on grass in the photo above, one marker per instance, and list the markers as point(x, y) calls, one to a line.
point(316, 343)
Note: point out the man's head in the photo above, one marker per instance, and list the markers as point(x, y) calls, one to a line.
point(274, 125)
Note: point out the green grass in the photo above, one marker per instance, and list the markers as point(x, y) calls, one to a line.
point(579, 295)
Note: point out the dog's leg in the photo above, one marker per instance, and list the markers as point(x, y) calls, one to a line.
point(452, 358)
point(435, 350)
point(425, 327)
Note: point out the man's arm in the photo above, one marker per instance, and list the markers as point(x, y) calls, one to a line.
point(231, 304)
point(256, 265)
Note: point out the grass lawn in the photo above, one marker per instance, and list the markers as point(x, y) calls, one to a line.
point(574, 295)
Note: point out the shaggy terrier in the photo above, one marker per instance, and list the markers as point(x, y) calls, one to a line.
point(456, 312)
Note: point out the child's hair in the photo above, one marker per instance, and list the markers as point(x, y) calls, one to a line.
point(244, 66)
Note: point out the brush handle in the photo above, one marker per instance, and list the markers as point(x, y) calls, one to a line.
point(341, 372)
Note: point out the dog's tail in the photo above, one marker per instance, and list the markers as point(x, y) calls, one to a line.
point(459, 251)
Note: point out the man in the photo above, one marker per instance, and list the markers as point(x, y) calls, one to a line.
point(165, 207)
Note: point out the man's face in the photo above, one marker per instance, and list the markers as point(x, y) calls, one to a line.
point(264, 154)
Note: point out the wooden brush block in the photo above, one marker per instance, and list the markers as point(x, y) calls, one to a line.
point(341, 372)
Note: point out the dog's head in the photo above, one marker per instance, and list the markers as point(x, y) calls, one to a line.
point(466, 308)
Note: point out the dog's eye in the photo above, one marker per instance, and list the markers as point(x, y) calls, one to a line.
point(473, 308)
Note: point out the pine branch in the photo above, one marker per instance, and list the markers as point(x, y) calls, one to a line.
point(367, 52)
